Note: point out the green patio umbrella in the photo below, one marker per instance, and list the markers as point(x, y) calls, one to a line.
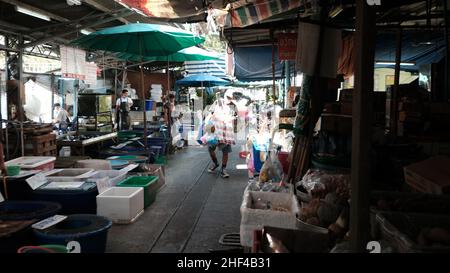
point(142, 40)
point(193, 53)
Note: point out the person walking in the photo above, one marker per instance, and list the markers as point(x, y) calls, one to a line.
point(222, 122)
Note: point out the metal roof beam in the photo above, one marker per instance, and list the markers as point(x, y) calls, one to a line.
point(62, 24)
point(44, 12)
point(38, 10)
point(16, 30)
point(100, 7)
point(66, 33)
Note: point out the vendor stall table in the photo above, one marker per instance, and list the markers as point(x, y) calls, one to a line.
point(82, 144)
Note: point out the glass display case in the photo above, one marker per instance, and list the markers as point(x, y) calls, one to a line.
point(95, 113)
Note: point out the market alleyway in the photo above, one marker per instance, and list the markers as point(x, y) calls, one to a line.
point(191, 211)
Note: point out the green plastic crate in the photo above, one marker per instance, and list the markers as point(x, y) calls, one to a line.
point(149, 183)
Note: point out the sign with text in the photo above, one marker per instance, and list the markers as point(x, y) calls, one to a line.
point(73, 62)
point(287, 46)
point(91, 74)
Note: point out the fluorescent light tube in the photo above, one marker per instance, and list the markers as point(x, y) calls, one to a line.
point(124, 5)
point(85, 32)
point(32, 13)
point(393, 63)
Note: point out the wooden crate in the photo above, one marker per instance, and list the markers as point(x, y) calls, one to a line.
point(33, 129)
point(44, 145)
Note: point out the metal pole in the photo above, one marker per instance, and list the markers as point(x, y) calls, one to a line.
point(273, 65)
point(288, 80)
point(361, 126)
point(394, 104)
point(21, 81)
point(115, 81)
point(169, 114)
point(52, 88)
point(75, 97)
point(7, 140)
point(22, 138)
point(143, 93)
point(446, 91)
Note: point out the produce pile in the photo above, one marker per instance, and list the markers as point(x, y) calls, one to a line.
point(319, 183)
point(327, 203)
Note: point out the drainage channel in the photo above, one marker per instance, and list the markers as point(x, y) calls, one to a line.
point(180, 205)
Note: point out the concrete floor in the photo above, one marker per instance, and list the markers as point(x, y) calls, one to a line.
point(191, 211)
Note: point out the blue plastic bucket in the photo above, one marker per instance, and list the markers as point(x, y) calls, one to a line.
point(90, 231)
point(149, 105)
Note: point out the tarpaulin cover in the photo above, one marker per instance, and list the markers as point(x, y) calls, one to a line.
point(167, 8)
point(249, 12)
point(423, 47)
point(255, 63)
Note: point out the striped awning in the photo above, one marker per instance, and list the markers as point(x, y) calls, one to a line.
point(247, 13)
point(215, 68)
point(168, 9)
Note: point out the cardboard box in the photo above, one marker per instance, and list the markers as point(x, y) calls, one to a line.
point(429, 176)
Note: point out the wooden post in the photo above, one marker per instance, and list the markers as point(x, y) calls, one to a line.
point(364, 66)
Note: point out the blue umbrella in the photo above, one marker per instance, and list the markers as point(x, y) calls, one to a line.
point(202, 80)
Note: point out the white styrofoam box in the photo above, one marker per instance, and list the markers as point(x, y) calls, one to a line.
point(69, 175)
point(255, 219)
point(31, 162)
point(123, 205)
point(115, 176)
